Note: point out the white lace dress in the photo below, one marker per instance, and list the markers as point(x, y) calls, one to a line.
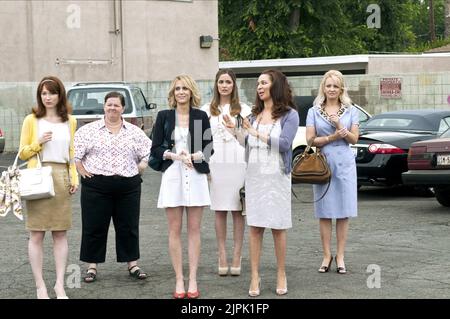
point(227, 164)
point(267, 188)
point(181, 186)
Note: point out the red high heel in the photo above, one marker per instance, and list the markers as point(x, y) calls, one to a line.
point(193, 295)
point(179, 295)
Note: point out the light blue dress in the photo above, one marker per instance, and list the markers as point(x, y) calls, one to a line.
point(341, 198)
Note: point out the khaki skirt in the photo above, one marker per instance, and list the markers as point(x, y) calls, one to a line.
point(55, 213)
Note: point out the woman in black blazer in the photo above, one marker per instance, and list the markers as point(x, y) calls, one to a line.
point(182, 139)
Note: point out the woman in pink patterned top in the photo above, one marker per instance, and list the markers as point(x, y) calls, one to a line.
point(110, 155)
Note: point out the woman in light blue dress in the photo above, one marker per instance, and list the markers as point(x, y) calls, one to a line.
point(332, 124)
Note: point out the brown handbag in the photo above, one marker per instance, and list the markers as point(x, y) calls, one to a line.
point(310, 168)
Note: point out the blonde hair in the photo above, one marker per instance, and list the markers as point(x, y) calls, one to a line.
point(343, 96)
point(191, 85)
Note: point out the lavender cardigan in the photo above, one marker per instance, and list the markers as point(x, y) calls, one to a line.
point(289, 126)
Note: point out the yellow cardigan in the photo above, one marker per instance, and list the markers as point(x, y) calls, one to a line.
point(29, 145)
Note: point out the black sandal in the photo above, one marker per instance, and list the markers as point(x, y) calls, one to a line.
point(90, 275)
point(138, 273)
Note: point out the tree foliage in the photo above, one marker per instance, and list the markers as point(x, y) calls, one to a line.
point(268, 29)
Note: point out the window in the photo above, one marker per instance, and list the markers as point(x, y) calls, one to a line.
point(89, 101)
point(389, 122)
point(139, 100)
point(444, 124)
point(363, 117)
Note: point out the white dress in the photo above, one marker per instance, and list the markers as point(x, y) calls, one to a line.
point(181, 186)
point(267, 187)
point(227, 164)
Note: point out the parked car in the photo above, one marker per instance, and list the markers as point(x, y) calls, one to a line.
point(429, 165)
point(2, 141)
point(304, 103)
point(382, 148)
point(87, 101)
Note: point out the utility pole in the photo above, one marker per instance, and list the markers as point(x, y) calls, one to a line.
point(431, 15)
point(447, 19)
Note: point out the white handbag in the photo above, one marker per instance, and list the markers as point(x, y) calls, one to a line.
point(35, 183)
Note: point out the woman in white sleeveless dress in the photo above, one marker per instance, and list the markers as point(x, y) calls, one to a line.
point(227, 167)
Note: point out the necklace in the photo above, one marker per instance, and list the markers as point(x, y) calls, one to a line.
point(326, 116)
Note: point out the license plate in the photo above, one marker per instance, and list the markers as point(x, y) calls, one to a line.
point(355, 151)
point(443, 160)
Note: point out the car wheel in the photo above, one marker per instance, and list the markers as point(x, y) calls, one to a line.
point(443, 196)
point(423, 191)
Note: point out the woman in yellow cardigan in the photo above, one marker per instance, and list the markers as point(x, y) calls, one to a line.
point(48, 132)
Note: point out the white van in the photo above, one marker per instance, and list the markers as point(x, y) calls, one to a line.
point(87, 100)
point(304, 103)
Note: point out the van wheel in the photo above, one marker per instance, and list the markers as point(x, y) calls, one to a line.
point(443, 195)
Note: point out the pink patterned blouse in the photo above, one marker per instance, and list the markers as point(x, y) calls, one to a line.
point(103, 153)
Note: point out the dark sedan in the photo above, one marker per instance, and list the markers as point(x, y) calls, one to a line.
point(382, 148)
point(429, 165)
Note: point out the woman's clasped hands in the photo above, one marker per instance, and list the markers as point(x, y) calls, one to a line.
point(183, 157)
point(343, 132)
point(340, 130)
point(186, 158)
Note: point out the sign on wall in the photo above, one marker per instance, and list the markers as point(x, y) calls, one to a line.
point(391, 87)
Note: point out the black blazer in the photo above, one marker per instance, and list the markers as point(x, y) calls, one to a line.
point(199, 139)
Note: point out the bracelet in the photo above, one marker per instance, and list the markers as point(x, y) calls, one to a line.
point(202, 156)
point(328, 139)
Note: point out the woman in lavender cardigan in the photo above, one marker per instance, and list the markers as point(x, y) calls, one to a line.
point(269, 133)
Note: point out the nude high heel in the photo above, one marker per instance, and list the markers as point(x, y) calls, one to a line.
point(257, 291)
point(41, 293)
point(236, 271)
point(222, 271)
point(282, 291)
point(60, 295)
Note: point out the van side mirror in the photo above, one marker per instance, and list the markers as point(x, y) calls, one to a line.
point(151, 106)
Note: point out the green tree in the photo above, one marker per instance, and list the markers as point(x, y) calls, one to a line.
point(267, 29)
point(259, 29)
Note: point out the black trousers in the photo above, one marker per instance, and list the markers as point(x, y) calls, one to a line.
point(103, 197)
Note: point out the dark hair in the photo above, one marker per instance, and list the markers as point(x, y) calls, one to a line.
point(235, 106)
point(54, 86)
point(280, 92)
point(116, 94)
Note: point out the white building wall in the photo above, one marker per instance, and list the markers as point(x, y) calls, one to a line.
point(76, 40)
